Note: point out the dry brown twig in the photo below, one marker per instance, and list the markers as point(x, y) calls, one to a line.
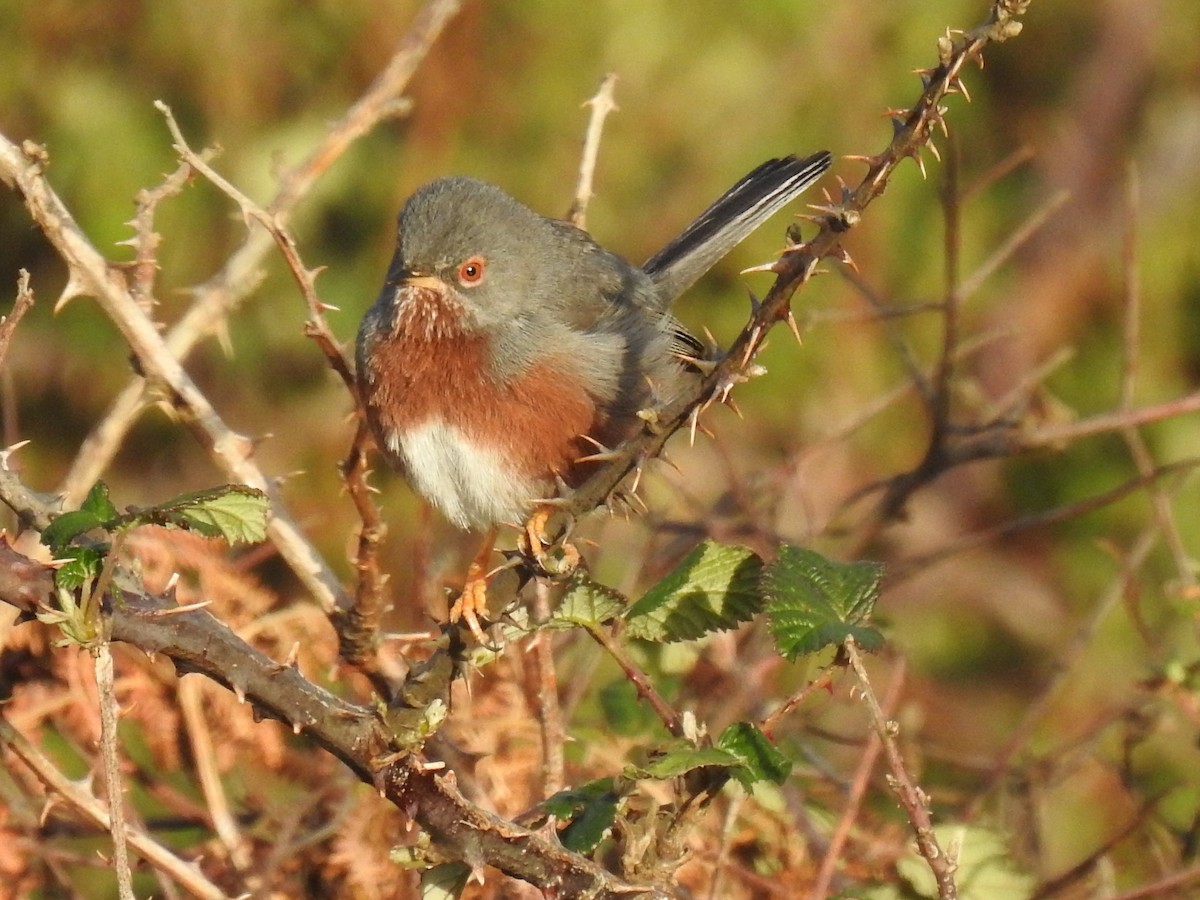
point(858, 786)
point(914, 800)
point(21, 305)
point(88, 807)
point(601, 104)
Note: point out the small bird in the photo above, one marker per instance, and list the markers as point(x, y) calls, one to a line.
point(505, 346)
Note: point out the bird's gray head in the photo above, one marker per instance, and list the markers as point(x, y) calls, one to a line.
point(479, 249)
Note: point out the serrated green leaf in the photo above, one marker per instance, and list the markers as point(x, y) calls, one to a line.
point(586, 603)
point(445, 881)
point(588, 811)
point(235, 512)
point(680, 758)
point(761, 760)
point(83, 564)
point(814, 602)
point(714, 588)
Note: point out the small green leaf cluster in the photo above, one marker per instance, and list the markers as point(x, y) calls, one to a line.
point(235, 513)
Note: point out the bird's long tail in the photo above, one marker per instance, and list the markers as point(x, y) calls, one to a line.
point(726, 223)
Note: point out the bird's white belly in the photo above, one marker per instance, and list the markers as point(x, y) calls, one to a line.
point(469, 482)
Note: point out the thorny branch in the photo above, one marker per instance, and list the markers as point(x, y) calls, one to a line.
point(914, 800)
point(197, 642)
point(913, 132)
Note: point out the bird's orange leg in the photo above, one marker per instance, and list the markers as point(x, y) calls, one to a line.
point(473, 599)
point(534, 542)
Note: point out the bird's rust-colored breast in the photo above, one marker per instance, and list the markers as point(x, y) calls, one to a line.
point(420, 374)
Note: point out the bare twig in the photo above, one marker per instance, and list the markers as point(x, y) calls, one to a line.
point(22, 305)
point(87, 806)
point(602, 104)
point(358, 623)
point(146, 240)
point(554, 734)
point(820, 683)
point(912, 798)
point(899, 571)
point(191, 704)
point(1066, 661)
point(1163, 887)
point(1131, 331)
point(641, 683)
point(102, 654)
point(858, 789)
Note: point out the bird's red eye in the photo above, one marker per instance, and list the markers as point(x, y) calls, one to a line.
point(471, 272)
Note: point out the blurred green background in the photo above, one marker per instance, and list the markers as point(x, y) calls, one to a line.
point(1088, 93)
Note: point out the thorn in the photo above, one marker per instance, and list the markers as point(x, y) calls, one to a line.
point(637, 477)
point(843, 256)
point(327, 307)
point(293, 655)
point(704, 366)
point(8, 451)
point(934, 150)
point(606, 456)
point(692, 425)
point(557, 502)
point(663, 458)
point(793, 327)
point(755, 303)
point(728, 401)
point(761, 267)
point(915, 153)
point(73, 289)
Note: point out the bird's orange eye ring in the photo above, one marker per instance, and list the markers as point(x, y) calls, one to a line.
point(470, 273)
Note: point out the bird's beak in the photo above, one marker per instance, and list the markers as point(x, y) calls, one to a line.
point(429, 282)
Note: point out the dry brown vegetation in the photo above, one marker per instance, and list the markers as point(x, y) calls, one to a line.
point(994, 397)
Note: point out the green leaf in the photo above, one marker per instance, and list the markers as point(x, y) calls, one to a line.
point(814, 602)
point(714, 588)
point(235, 512)
point(760, 759)
point(98, 503)
point(82, 566)
point(96, 511)
point(681, 757)
point(68, 526)
point(445, 881)
point(588, 811)
point(587, 603)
